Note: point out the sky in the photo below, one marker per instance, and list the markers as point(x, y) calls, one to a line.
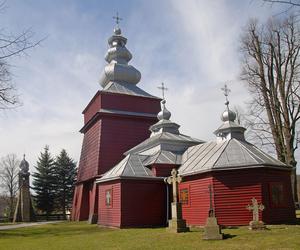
point(192, 46)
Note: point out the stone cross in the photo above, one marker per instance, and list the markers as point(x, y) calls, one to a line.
point(174, 179)
point(211, 212)
point(117, 18)
point(255, 207)
point(163, 88)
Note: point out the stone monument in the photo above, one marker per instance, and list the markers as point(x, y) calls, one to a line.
point(176, 224)
point(256, 224)
point(212, 230)
point(24, 210)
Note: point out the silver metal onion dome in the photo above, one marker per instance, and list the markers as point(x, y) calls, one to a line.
point(228, 115)
point(118, 56)
point(164, 114)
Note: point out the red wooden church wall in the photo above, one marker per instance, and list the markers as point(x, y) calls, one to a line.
point(284, 213)
point(143, 203)
point(109, 215)
point(196, 211)
point(233, 191)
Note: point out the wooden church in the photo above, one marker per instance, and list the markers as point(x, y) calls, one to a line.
point(130, 146)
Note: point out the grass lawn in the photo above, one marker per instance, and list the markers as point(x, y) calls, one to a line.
point(71, 235)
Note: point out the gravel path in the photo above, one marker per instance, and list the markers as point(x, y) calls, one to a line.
point(9, 227)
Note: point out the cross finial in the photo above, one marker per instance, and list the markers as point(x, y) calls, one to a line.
point(117, 18)
point(163, 89)
point(226, 92)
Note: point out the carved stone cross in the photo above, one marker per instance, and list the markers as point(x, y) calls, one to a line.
point(255, 207)
point(174, 179)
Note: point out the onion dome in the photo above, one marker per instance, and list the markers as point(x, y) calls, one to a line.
point(228, 115)
point(164, 114)
point(118, 56)
point(24, 166)
point(229, 129)
point(164, 124)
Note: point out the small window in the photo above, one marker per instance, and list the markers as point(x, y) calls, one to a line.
point(184, 196)
point(277, 194)
point(108, 197)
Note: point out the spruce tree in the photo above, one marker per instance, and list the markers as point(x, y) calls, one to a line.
point(65, 172)
point(43, 182)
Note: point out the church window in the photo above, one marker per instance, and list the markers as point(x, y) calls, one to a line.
point(108, 198)
point(277, 194)
point(184, 196)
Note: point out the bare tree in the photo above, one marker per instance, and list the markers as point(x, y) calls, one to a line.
point(271, 69)
point(11, 45)
point(9, 169)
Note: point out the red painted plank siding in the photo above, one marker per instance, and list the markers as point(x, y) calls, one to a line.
point(109, 216)
point(286, 213)
point(118, 135)
point(143, 203)
point(80, 209)
point(106, 100)
point(233, 191)
point(92, 108)
point(196, 212)
point(130, 103)
point(89, 158)
point(162, 170)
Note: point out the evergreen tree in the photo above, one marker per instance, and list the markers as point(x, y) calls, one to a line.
point(65, 172)
point(43, 182)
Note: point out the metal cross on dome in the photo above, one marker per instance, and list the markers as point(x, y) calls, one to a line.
point(117, 18)
point(226, 92)
point(163, 89)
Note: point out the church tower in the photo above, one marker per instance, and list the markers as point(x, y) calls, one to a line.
point(117, 118)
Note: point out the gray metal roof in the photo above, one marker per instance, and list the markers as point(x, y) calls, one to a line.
point(130, 166)
point(177, 140)
point(222, 155)
point(127, 89)
point(163, 157)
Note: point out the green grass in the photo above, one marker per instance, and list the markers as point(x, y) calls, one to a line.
point(70, 235)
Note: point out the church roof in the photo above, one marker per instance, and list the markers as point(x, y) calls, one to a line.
point(127, 89)
point(130, 166)
point(163, 157)
point(225, 155)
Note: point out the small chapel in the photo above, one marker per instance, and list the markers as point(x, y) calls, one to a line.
point(131, 145)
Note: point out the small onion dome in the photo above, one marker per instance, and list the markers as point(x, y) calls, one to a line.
point(228, 115)
point(24, 165)
point(164, 114)
point(117, 31)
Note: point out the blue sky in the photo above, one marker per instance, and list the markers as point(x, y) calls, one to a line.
point(192, 46)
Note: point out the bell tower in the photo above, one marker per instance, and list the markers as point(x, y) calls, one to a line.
point(116, 119)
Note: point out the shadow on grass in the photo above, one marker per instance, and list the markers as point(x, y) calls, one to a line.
point(228, 236)
point(54, 230)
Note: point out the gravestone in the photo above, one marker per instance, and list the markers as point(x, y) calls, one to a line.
point(24, 210)
point(176, 224)
point(212, 230)
point(256, 224)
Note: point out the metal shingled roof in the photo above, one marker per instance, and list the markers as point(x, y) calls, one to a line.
point(130, 166)
point(226, 154)
point(163, 157)
point(126, 88)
